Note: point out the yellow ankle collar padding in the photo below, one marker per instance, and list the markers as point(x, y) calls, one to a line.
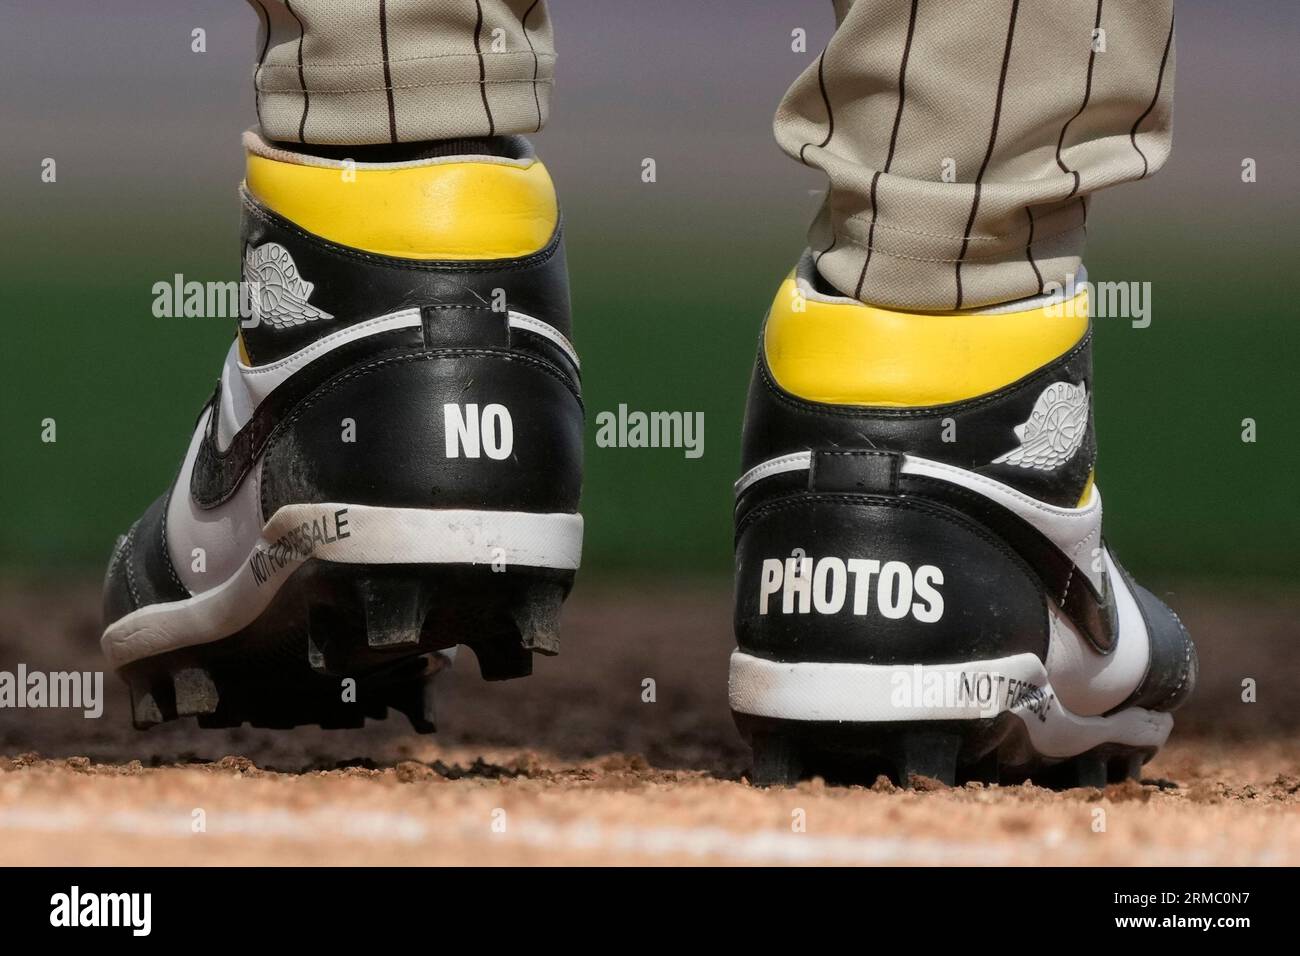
point(847, 353)
point(455, 211)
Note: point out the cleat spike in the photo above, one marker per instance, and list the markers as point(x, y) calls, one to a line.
point(986, 770)
point(538, 619)
point(394, 611)
point(502, 660)
point(145, 712)
point(777, 761)
point(315, 656)
point(429, 694)
point(417, 699)
point(929, 754)
point(1089, 771)
point(196, 693)
point(285, 672)
point(418, 705)
point(1127, 767)
point(429, 705)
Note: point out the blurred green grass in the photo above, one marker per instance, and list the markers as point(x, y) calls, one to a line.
point(666, 317)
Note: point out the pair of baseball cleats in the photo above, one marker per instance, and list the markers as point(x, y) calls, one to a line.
point(390, 466)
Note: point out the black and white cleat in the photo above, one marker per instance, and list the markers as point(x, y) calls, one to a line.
point(390, 465)
point(921, 577)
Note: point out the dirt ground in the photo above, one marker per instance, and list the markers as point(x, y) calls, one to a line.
point(572, 766)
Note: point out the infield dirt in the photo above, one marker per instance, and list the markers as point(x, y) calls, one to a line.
point(573, 766)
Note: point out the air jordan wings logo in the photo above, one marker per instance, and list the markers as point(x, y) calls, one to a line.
point(277, 291)
point(1054, 430)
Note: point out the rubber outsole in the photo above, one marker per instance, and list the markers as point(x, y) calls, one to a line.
point(992, 750)
point(341, 643)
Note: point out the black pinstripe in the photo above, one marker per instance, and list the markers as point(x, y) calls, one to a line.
point(893, 143)
point(830, 120)
point(388, 75)
point(988, 154)
point(830, 117)
point(261, 58)
point(871, 237)
point(482, 69)
point(1029, 250)
point(1087, 95)
point(817, 258)
point(1164, 60)
point(302, 81)
point(902, 84)
point(1060, 145)
point(529, 40)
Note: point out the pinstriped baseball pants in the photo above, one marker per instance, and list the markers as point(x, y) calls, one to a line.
point(386, 71)
point(961, 138)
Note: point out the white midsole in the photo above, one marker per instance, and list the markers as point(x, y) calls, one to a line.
point(880, 693)
point(353, 534)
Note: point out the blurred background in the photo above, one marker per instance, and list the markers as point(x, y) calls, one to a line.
point(670, 280)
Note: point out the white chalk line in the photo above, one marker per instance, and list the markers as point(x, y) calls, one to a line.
point(703, 843)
